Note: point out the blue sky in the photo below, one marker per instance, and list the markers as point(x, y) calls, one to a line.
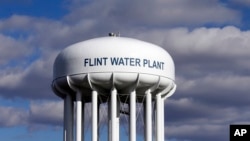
point(54, 9)
point(208, 40)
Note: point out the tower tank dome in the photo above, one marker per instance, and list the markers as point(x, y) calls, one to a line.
point(107, 62)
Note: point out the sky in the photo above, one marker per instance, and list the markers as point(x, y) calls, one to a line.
point(209, 41)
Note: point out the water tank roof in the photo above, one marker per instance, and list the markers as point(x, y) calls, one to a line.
point(114, 54)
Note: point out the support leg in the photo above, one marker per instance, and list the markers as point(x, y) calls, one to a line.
point(159, 118)
point(68, 119)
point(148, 117)
point(94, 116)
point(78, 116)
point(83, 109)
point(114, 121)
point(132, 117)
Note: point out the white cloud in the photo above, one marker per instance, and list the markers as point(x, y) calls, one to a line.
point(16, 21)
point(46, 112)
point(11, 79)
point(216, 82)
point(160, 13)
point(190, 119)
point(32, 82)
point(11, 49)
point(244, 3)
point(10, 116)
point(40, 114)
point(225, 42)
point(195, 132)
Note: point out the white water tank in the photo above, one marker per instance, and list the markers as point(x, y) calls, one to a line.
point(119, 62)
point(118, 71)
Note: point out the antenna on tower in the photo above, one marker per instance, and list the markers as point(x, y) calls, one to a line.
point(112, 34)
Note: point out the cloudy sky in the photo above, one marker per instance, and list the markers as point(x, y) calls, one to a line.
point(209, 41)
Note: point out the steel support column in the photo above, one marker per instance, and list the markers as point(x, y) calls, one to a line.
point(78, 116)
point(159, 118)
point(148, 117)
point(94, 116)
point(68, 119)
point(132, 116)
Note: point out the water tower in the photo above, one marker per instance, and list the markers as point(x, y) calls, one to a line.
point(114, 70)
